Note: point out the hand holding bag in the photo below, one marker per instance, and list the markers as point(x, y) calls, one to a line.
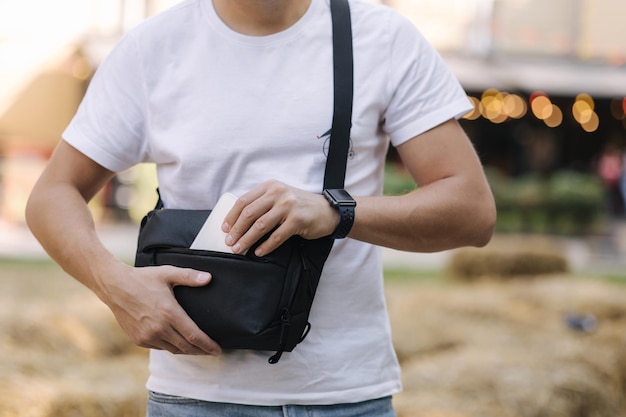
point(259, 303)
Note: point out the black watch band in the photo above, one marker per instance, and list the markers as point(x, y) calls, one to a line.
point(342, 201)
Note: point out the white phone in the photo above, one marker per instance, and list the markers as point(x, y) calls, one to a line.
point(211, 236)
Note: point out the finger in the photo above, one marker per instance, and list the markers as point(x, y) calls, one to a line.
point(241, 203)
point(188, 277)
point(163, 345)
point(274, 221)
point(277, 238)
point(255, 220)
point(185, 334)
point(180, 334)
point(173, 330)
point(173, 342)
point(189, 339)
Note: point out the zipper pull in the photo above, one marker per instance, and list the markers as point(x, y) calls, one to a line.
point(285, 322)
point(276, 357)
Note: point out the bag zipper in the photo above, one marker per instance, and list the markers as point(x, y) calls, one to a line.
point(285, 317)
point(285, 323)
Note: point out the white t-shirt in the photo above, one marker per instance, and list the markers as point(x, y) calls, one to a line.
point(218, 111)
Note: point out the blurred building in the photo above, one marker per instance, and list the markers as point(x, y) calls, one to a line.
point(48, 52)
point(548, 78)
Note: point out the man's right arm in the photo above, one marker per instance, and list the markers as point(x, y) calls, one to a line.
point(140, 298)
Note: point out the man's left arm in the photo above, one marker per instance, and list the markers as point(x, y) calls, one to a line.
point(453, 205)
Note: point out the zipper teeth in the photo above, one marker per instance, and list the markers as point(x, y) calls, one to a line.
point(188, 251)
point(214, 254)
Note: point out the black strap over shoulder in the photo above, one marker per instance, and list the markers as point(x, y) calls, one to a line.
point(343, 69)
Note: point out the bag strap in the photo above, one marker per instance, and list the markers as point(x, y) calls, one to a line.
point(343, 72)
point(343, 84)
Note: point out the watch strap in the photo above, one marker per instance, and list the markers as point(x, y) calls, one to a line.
point(345, 222)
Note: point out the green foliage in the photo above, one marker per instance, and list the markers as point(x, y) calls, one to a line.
point(397, 180)
point(573, 187)
point(566, 203)
point(411, 275)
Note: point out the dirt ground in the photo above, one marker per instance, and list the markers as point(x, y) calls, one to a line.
point(551, 346)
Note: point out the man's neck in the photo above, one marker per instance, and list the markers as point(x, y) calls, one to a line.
point(260, 17)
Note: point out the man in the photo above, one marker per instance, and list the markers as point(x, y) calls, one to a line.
point(235, 96)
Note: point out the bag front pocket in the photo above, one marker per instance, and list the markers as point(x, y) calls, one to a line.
point(233, 307)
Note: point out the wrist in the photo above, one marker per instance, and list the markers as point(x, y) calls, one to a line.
point(103, 274)
point(344, 206)
point(334, 217)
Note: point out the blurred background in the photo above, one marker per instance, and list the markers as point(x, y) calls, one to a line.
point(548, 80)
point(532, 325)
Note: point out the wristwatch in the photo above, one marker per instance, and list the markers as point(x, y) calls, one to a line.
point(342, 201)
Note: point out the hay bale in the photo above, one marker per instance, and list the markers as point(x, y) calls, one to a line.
point(58, 331)
point(503, 259)
point(62, 353)
point(113, 387)
point(502, 348)
point(429, 413)
point(97, 405)
point(469, 264)
point(494, 382)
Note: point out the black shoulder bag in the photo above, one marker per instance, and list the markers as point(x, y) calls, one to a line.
point(258, 303)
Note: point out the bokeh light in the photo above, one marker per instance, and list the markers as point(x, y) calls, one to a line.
point(556, 117)
point(542, 107)
point(584, 113)
point(497, 106)
point(500, 106)
point(475, 112)
point(515, 106)
point(593, 123)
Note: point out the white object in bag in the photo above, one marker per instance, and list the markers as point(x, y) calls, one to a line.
point(211, 236)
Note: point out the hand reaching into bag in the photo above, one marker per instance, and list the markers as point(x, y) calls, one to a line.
point(144, 306)
point(274, 205)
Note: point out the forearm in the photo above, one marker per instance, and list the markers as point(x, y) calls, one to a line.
point(58, 216)
point(443, 215)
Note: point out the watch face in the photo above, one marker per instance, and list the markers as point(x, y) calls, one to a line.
point(341, 196)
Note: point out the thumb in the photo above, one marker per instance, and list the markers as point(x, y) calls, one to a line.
point(189, 277)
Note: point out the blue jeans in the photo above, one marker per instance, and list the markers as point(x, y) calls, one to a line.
point(161, 405)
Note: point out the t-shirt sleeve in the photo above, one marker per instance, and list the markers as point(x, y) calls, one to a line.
point(109, 125)
point(424, 92)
